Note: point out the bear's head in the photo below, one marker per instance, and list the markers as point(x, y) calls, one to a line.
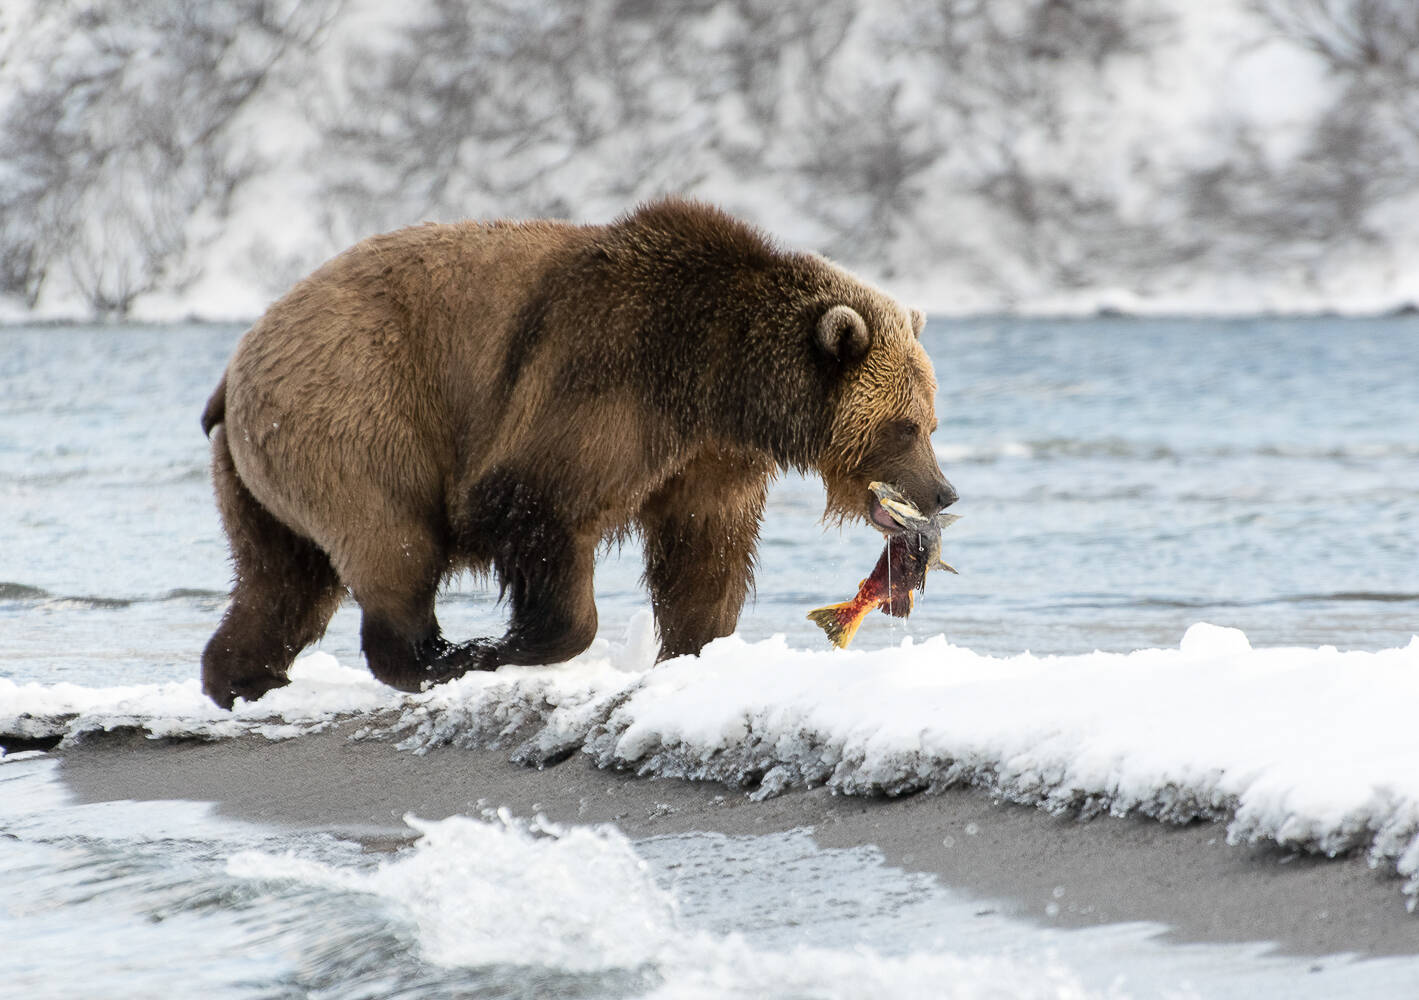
point(885, 411)
point(818, 368)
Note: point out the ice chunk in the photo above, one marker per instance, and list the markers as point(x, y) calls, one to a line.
point(1204, 640)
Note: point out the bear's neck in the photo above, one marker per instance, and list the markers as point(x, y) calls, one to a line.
point(728, 357)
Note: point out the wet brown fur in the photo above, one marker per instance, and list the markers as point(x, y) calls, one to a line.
point(503, 397)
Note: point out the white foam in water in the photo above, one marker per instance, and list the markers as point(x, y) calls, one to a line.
point(117, 899)
point(185, 902)
point(485, 893)
point(580, 899)
point(481, 893)
point(1312, 749)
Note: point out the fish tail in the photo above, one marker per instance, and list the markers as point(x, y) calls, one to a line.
point(839, 621)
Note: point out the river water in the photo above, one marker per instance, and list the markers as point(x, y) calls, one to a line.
point(1119, 479)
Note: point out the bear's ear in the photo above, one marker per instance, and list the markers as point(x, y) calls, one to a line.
point(842, 334)
point(918, 322)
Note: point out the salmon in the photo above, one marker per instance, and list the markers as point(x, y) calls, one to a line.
point(900, 571)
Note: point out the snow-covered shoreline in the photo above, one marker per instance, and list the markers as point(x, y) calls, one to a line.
point(1308, 749)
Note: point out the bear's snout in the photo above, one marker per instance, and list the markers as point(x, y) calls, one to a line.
point(946, 495)
point(933, 496)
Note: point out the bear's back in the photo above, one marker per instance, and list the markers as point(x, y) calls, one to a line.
point(413, 303)
point(377, 366)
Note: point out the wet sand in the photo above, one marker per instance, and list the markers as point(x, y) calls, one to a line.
point(1013, 859)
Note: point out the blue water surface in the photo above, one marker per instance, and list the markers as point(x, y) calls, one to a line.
point(1120, 479)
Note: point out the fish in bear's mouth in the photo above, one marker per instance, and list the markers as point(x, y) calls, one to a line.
point(891, 513)
point(913, 549)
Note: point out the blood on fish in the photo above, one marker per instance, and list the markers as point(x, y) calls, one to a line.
point(900, 571)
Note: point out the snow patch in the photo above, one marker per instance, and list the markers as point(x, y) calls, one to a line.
point(1309, 749)
point(321, 690)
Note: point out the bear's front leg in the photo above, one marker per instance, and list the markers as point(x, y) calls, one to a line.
point(412, 659)
point(545, 572)
point(701, 531)
point(553, 619)
point(553, 603)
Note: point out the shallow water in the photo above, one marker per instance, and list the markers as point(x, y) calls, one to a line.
point(1119, 480)
point(167, 899)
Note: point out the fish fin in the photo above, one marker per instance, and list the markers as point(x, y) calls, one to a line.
point(838, 621)
point(943, 564)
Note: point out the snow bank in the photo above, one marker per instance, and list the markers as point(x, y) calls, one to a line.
point(1310, 749)
point(320, 692)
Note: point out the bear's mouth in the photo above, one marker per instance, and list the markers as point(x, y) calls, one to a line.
point(880, 518)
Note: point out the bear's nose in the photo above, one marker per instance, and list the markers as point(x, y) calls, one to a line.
point(945, 495)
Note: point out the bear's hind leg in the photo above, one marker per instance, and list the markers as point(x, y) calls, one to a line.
point(284, 594)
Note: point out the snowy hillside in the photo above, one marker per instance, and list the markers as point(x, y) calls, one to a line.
point(163, 159)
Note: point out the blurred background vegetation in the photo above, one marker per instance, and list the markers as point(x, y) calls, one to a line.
point(978, 154)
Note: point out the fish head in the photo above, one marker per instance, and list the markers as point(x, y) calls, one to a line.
point(915, 549)
point(893, 512)
point(943, 520)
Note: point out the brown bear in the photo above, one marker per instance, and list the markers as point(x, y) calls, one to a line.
point(503, 397)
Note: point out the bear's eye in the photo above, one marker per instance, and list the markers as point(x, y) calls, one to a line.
point(905, 431)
